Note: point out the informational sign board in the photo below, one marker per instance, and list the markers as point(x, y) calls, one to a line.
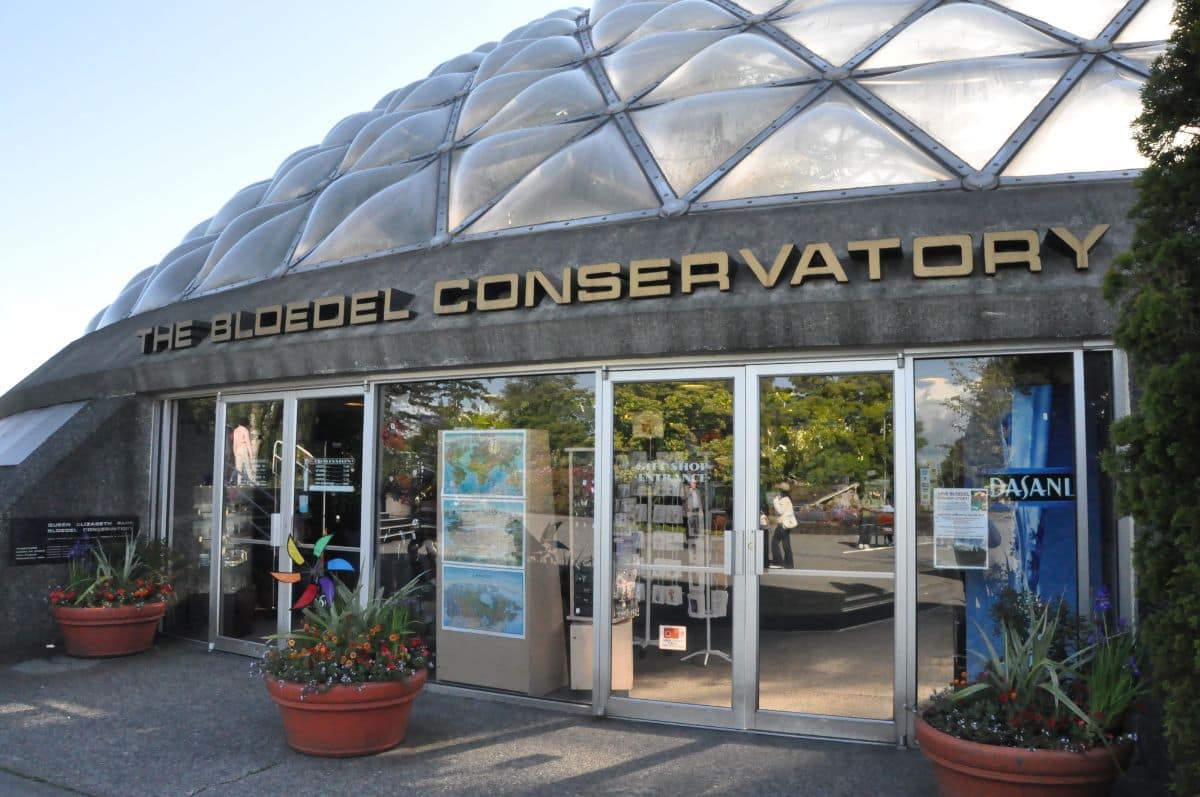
point(39, 541)
point(329, 474)
point(672, 637)
point(960, 528)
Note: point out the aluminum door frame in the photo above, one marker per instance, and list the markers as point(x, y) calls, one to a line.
point(290, 400)
point(890, 731)
point(638, 708)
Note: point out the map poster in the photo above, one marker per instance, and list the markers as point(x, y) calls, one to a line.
point(960, 528)
point(483, 600)
point(483, 463)
point(486, 531)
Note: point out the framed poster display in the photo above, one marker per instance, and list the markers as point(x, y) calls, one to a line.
point(960, 528)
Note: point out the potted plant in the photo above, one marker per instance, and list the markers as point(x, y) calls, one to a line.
point(1044, 716)
point(345, 681)
point(114, 597)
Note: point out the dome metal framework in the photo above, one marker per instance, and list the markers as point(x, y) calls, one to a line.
point(660, 108)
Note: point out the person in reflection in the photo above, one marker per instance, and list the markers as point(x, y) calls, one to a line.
point(694, 508)
point(781, 538)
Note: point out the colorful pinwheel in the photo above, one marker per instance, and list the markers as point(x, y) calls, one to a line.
point(318, 580)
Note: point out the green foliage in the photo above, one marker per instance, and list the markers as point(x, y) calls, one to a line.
point(1046, 686)
point(346, 642)
point(1156, 291)
point(128, 572)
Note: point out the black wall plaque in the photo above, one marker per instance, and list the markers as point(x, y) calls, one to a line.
point(39, 541)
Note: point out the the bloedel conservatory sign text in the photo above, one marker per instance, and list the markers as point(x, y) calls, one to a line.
point(928, 257)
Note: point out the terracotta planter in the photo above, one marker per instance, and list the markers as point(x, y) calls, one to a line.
point(988, 770)
point(347, 719)
point(105, 631)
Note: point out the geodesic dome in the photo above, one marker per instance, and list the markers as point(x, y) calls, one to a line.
point(665, 108)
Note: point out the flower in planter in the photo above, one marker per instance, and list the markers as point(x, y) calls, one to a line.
point(345, 641)
point(1052, 681)
point(128, 572)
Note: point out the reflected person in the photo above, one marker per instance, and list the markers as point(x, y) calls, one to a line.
point(781, 538)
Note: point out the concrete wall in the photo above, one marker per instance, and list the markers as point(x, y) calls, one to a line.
point(97, 464)
point(1058, 303)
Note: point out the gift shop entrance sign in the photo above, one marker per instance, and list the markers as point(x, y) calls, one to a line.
point(788, 265)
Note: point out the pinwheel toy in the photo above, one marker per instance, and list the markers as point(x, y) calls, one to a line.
point(319, 582)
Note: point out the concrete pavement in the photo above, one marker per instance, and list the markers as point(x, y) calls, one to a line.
point(181, 721)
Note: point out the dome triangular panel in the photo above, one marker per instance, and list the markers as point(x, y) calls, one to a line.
point(648, 60)
point(834, 145)
point(691, 137)
point(561, 97)
point(971, 107)
point(1152, 23)
point(960, 30)
point(1084, 18)
point(837, 31)
point(596, 176)
point(738, 61)
point(1091, 130)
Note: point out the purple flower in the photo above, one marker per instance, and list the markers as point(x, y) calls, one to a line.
point(1132, 664)
point(1103, 601)
point(80, 548)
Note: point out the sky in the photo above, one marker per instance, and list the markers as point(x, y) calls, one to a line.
point(124, 123)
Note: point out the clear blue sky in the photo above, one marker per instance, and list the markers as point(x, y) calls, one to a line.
point(123, 123)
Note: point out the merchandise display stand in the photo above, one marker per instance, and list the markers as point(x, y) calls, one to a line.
point(702, 585)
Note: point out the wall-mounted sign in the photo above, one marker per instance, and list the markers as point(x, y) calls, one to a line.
point(39, 541)
point(329, 474)
point(960, 528)
point(922, 257)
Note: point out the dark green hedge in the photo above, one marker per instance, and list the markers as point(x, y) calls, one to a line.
point(1157, 293)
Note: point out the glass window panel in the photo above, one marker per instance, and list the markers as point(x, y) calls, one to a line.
point(305, 176)
point(971, 107)
point(413, 137)
point(483, 170)
point(168, 283)
point(761, 6)
point(497, 58)
point(683, 15)
point(238, 204)
point(252, 491)
point(691, 137)
point(837, 31)
point(344, 131)
point(238, 229)
point(262, 252)
point(191, 522)
point(1152, 23)
point(561, 97)
point(1090, 130)
point(489, 97)
point(960, 30)
point(981, 422)
point(648, 60)
point(1144, 55)
point(435, 91)
point(403, 214)
point(544, 54)
point(1099, 413)
point(486, 493)
point(343, 197)
point(597, 176)
point(738, 61)
point(328, 476)
point(623, 21)
point(833, 145)
point(371, 133)
point(672, 522)
point(1084, 18)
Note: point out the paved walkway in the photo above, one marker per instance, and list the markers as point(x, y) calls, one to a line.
point(182, 721)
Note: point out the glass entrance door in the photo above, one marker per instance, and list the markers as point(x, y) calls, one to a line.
point(754, 538)
point(290, 466)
